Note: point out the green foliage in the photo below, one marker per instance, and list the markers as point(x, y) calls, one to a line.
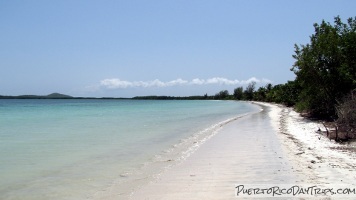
point(260, 94)
point(205, 97)
point(223, 94)
point(238, 93)
point(248, 93)
point(287, 94)
point(326, 68)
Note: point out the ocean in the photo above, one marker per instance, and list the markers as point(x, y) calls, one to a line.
point(79, 149)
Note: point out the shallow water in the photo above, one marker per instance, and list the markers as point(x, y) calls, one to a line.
point(75, 149)
point(246, 152)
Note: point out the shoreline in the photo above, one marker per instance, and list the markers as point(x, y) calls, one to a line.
point(232, 156)
point(76, 150)
point(316, 158)
point(133, 180)
point(283, 150)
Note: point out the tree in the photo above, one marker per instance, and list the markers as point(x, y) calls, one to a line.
point(238, 93)
point(260, 94)
point(223, 94)
point(248, 93)
point(269, 88)
point(326, 68)
point(288, 93)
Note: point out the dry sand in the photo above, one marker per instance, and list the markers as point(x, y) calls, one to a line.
point(272, 147)
point(315, 158)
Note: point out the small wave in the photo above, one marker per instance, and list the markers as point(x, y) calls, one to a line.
point(151, 170)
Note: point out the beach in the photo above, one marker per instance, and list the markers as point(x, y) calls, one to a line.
point(316, 159)
point(274, 147)
point(89, 149)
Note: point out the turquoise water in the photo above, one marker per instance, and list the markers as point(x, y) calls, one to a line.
point(71, 149)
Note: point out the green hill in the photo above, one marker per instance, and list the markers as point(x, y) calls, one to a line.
point(58, 96)
point(50, 96)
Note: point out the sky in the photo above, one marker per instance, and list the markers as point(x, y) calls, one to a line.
point(126, 48)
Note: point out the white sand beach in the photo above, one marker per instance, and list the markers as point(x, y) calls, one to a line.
point(273, 147)
point(315, 158)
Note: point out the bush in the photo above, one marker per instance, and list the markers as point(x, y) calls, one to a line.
point(346, 111)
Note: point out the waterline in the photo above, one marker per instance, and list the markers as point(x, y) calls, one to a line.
point(67, 149)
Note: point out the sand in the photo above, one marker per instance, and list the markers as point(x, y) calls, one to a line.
point(275, 147)
point(318, 159)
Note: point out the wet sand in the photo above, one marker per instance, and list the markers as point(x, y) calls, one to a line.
point(275, 147)
point(245, 151)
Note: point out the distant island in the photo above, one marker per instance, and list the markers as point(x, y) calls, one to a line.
point(50, 96)
point(63, 96)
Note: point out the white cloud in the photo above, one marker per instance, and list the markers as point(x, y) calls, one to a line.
point(177, 82)
point(222, 81)
point(197, 81)
point(115, 83)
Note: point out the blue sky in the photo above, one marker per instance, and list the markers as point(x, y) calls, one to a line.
point(161, 47)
